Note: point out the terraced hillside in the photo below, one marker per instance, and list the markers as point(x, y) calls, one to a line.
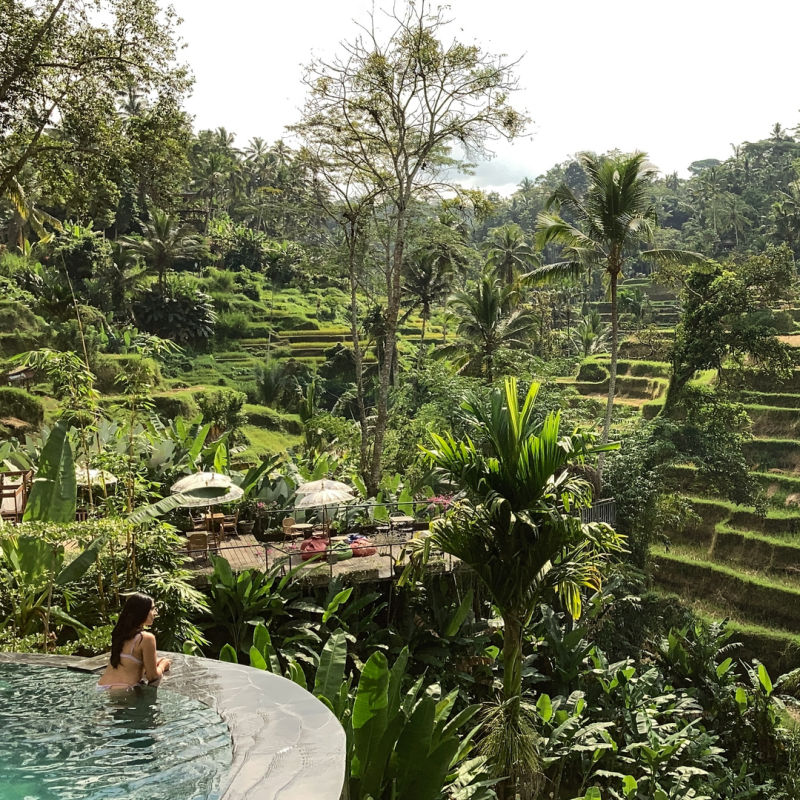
point(278, 326)
point(733, 563)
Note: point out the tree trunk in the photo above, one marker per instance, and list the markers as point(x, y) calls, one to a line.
point(390, 345)
point(612, 370)
point(512, 694)
point(358, 357)
point(421, 341)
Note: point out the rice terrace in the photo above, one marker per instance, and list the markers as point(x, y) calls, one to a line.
point(381, 418)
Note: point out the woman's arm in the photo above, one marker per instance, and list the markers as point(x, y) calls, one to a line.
point(154, 668)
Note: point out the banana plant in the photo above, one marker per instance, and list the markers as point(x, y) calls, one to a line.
point(402, 745)
point(53, 496)
point(406, 746)
point(33, 567)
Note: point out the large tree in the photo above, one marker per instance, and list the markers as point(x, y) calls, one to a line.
point(400, 109)
point(603, 229)
point(66, 62)
point(727, 319)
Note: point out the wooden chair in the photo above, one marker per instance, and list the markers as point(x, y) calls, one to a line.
point(197, 545)
point(229, 524)
point(198, 522)
point(14, 488)
point(287, 527)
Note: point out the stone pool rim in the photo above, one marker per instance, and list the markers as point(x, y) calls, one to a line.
point(306, 761)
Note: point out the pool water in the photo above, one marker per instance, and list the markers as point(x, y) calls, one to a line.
point(61, 739)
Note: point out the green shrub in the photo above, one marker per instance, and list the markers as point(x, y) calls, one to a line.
point(181, 313)
point(652, 408)
point(783, 322)
point(259, 330)
point(179, 404)
point(219, 281)
point(223, 409)
point(592, 372)
point(11, 344)
point(270, 419)
point(233, 325)
point(16, 316)
point(108, 368)
point(20, 404)
point(294, 322)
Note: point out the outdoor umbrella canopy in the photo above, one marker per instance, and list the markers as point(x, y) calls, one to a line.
point(95, 476)
point(206, 489)
point(210, 496)
point(202, 480)
point(323, 486)
point(322, 498)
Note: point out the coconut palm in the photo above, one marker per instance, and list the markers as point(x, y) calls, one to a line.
point(489, 320)
point(426, 282)
point(590, 335)
point(520, 530)
point(508, 253)
point(164, 240)
point(612, 220)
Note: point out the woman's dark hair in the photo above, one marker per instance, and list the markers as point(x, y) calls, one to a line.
point(130, 622)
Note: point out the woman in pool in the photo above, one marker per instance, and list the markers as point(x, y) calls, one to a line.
point(133, 651)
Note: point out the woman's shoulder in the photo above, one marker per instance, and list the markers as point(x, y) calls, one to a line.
point(147, 637)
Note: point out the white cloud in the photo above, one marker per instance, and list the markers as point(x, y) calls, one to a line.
point(681, 81)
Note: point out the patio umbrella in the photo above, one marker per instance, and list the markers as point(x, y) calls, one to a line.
point(322, 486)
point(202, 480)
point(322, 498)
point(206, 489)
point(94, 476)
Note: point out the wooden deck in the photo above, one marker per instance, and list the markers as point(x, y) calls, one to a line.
point(245, 552)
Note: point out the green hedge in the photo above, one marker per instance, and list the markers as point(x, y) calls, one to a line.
point(270, 419)
point(179, 404)
point(11, 344)
point(16, 316)
point(109, 367)
point(20, 404)
point(592, 372)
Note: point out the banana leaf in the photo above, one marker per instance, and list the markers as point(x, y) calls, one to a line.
point(53, 496)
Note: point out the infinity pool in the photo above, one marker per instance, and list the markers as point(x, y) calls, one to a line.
point(61, 739)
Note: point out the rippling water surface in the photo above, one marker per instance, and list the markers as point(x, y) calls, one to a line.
point(61, 739)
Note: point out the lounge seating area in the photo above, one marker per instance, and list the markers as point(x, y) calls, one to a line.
point(324, 549)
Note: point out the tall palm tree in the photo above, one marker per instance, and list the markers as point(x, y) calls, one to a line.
point(164, 240)
point(612, 221)
point(489, 320)
point(508, 253)
point(520, 530)
point(426, 282)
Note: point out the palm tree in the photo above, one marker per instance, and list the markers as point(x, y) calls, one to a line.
point(508, 253)
point(520, 530)
point(590, 335)
point(611, 221)
point(163, 242)
point(427, 281)
point(489, 321)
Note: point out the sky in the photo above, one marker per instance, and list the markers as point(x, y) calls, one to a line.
point(681, 81)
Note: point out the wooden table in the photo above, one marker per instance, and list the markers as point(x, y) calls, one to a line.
point(213, 521)
point(301, 527)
